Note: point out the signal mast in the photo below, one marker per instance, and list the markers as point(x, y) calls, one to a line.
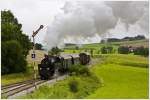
point(33, 54)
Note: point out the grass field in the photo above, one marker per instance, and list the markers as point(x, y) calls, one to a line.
point(124, 76)
point(121, 82)
point(121, 76)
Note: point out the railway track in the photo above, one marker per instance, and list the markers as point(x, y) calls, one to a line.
point(21, 88)
point(12, 89)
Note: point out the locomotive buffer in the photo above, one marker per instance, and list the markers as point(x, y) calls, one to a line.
point(33, 54)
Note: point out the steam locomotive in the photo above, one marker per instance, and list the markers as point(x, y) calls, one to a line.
point(60, 64)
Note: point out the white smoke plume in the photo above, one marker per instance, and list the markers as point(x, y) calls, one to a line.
point(84, 19)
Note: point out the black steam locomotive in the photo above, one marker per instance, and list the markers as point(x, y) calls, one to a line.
point(60, 64)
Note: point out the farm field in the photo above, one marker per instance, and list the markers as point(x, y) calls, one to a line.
point(120, 76)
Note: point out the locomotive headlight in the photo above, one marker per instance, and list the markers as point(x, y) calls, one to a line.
point(40, 68)
point(52, 60)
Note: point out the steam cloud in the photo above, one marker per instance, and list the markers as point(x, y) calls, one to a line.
point(84, 19)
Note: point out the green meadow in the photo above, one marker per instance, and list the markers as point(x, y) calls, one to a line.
point(124, 76)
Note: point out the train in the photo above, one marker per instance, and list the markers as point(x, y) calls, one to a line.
point(51, 65)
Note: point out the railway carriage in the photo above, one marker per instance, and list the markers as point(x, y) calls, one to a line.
point(84, 58)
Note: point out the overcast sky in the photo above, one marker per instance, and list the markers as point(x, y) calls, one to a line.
point(116, 23)
point(33, 13)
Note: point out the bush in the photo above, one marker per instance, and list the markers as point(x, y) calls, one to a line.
point(13, 60)
point(73, 70)
point(73, 85)
point(84, 71)
point(123, 50)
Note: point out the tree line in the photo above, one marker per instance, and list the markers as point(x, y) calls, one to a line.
point(138, 37)
point(143, 51)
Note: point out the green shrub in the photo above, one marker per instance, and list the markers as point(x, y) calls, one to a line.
point(73, 69)
point(79, 70)
point(84, 70)
point(73, 85)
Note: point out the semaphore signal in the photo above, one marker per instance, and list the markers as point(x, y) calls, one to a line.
point(33, 54)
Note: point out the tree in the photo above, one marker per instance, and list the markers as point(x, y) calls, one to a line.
point(105, 50)
point(91, 51)
point(113, 40)
point(109, 49)
point(54, 51)
point(11, 30)
point(15, 44)
point(77, 48)
point(123, 50)
point(102, 41)
point(13, 59)
point(38, 46)
point(141, 51)
point(140, 37)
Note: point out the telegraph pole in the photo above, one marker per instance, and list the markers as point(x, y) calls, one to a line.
point(33, 54)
